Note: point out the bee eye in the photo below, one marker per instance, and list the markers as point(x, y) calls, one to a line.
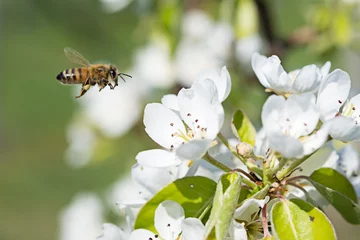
point(112, 73)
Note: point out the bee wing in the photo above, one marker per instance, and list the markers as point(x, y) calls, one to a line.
point(75, 57)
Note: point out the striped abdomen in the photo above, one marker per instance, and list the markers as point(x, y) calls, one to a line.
point(73, 76)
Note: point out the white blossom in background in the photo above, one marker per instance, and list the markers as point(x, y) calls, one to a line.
point(81, 142)
point(114, 112)
point(347, 162)
point(288, 123)
point(153, 65)
point(82, 218)
point(245, 47)
point(113, 232)
point(274, 78)
point(112, 6)
point(204, 45)
point(170, 222)
point(340, 114)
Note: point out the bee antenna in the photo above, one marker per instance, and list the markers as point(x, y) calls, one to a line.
point(121, 75)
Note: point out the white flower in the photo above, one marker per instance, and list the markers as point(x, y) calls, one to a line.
point(82, 218)
point(341, 115)
point(272, 75)
point(170, 222)
point(248, 208)
point(200, 109)
point(153, 66)
point(288, 122)
point(245, 214)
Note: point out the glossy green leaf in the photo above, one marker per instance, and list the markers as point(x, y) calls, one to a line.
point(336, 189)
point(243, 128)
point(330, 178)
point(194, 194)
point(297, 219)
point(225, 200)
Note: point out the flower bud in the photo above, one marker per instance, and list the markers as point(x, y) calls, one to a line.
point(244, 149)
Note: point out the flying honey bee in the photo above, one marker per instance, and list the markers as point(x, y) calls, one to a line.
point(90, 74)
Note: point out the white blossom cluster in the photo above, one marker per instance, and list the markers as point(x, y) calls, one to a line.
point(310, 107)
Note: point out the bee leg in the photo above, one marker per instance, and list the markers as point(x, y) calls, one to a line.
point(116, 83)
point(111, 86)
point(85, 87)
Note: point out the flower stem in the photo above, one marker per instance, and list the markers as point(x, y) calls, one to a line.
point(251, 166)
point(216, 163)
point(285, 171)
point(225, 168)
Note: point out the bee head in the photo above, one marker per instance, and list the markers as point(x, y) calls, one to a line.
point(113, 72)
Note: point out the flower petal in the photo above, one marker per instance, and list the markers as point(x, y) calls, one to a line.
point(237, 231)
point(170, 101)
point(301, 114)
point(257, 61)
point(142, 234)
point(275, 74)
point(157, 158)
point(222, 81)
point(344, 129)
point(286, 145)
point(315, 140)
point(152, 179)
point(111, 232)
point(168, 218)
point(193, 150)
point(248, 208)
point(332, 94)
point(160, 123)
point(308, 79)
point(201, 110)
point(192, 228)
point(271, 112)
point(325, 69)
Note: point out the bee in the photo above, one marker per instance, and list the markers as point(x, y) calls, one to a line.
point(90, 74)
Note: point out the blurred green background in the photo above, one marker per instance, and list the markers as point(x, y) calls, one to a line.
point(35, 110)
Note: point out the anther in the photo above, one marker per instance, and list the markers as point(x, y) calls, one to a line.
point(198, 119)
point(340, 101)
point(353, 108)
point(189, 114)
point(171, 124)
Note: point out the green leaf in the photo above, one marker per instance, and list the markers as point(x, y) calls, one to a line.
point(330, 178)
point(243, 128)
point(225, 200)
point(194, 194)
point(336, 189)
point(297, 219)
